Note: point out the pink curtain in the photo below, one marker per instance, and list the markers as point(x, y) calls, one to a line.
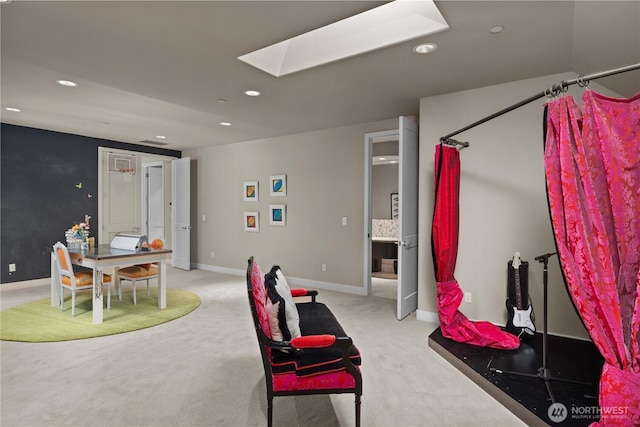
point(444, 246)
point(592, 166)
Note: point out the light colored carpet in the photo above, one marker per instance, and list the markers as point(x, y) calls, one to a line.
point(385, 288)
point(384, 275)
point(204, 369)
point(39, 321)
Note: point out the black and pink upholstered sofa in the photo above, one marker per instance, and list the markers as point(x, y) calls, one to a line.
point(308, 355)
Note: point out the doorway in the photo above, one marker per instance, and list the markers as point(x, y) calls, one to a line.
point(391, 240)
point(384, 218)
point(121, 206)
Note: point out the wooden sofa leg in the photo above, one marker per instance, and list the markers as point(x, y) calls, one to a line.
point(357, 410)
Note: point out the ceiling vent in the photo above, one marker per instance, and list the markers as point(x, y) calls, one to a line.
point(148, 141)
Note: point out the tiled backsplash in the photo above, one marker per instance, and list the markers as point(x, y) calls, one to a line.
point(384, 228)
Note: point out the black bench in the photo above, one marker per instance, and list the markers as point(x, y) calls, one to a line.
point(323, 360)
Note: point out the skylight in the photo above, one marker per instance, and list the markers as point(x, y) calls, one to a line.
point(386, 25)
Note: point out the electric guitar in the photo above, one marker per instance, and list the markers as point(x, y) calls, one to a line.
point(520, 322)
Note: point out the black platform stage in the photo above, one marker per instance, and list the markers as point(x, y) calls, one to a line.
point(527, 396)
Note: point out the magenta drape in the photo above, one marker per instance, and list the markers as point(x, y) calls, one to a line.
point(444, 245)
point(592, 166)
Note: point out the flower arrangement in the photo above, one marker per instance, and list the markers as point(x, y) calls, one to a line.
point(81, 230)
point(78, 233)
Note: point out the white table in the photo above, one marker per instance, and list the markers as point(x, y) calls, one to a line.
point(103, 256)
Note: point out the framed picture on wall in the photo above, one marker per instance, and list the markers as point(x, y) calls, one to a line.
point(395, 206)
point(278, 215)
point(250, 190)
point(278, 184)
point(252, 221)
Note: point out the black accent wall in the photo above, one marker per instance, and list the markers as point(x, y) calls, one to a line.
point(48, 182)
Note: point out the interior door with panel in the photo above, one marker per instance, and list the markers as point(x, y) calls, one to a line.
point(408, 219)
point(153, 201)
point(120, 206)
point(181, 212)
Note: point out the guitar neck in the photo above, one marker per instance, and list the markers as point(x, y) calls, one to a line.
point(516, 272)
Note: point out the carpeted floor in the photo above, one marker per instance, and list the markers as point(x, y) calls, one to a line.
point(385, 288)
point(204, 369)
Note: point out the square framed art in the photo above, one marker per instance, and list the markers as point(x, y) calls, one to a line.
point(250, 190)
point(278, 185)
point(252, 221)
point(395, 205)
point(278, 215)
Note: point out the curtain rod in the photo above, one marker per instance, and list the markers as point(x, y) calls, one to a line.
point(550, 91)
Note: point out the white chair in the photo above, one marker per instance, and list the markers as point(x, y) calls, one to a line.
point(135, 274)
point(75, 281)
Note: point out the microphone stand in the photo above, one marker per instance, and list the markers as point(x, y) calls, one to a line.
point(543, 372)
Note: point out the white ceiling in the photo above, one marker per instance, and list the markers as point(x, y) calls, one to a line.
point(159, 68)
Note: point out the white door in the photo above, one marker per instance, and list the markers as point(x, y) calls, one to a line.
point(120, 207)
point(181, 213)
point(408, 219)
point(153, 201)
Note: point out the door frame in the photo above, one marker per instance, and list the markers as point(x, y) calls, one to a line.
point(369, 140)
point(103, 155)
point(405, 199)
point(144, 158)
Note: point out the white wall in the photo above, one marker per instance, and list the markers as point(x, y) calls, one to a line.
point(503, 205)
point(325, 182)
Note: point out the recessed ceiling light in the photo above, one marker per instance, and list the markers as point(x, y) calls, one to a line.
point(67, 83)
point(252, 93)
point(225, 124)
point(5, 1)
point(15, 110)
point(497, 29)
point(161, 137)
point(222, 100)
point(425, 48)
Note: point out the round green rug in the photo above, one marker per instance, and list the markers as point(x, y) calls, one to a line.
point(38, 321)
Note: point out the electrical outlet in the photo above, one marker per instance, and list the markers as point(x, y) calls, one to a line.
point(204, 218)
point(12, 268)
point(213, 255)
point(344, 220)
point(324, 267)
point(467, 297)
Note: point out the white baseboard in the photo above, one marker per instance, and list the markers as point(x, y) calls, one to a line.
point(427, 316)
point(338, 287)
point(217, 269)
point(295, 281)
point(26, 284)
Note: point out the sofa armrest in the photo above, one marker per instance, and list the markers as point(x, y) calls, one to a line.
point(304, 293)
point(309, 341)
point(314, 341)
